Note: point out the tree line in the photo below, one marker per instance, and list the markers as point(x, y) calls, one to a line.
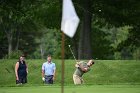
point(108, 29)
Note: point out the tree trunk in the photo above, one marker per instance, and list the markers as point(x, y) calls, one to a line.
point(17, 38)
point(10, 38)
point(42, 51)
point(85, 51)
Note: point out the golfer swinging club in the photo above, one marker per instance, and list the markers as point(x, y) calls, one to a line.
point(81, 68)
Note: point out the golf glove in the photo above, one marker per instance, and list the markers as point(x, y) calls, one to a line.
point(43, 78)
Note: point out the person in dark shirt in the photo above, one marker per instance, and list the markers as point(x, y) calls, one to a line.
point(21, 71)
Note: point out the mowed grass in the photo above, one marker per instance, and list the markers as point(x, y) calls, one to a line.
point(106, 76)
point(74, 89)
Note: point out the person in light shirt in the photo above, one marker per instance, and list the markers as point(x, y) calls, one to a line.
point(48, 71)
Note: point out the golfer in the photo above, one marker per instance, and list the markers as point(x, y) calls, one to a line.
point(48, 71)
point(81, 68)
point(21, 71)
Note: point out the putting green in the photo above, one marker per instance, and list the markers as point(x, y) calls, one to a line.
point(73, 89)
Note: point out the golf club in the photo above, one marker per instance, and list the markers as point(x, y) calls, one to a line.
point(72, 53)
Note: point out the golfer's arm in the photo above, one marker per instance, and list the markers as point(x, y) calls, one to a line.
point(83, 68)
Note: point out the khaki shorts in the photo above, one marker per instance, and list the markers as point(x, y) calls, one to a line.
point(77, 80)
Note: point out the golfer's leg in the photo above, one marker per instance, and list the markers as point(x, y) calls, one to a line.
point(76, 80)
point(82, 81)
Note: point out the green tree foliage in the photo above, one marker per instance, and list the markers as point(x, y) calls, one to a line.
point(17, 20)
point(120, 13)
point(101, 45)
point(3, 45)
point(103, 32)
point(49, 43)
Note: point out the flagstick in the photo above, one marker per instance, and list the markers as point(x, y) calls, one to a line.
point(63, 65)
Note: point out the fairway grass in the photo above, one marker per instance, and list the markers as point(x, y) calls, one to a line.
point(106, 76)
point(73, 89)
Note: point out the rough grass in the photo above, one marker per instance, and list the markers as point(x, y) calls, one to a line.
point(104, 72)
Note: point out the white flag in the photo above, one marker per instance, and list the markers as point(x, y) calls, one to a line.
point(70, 19)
